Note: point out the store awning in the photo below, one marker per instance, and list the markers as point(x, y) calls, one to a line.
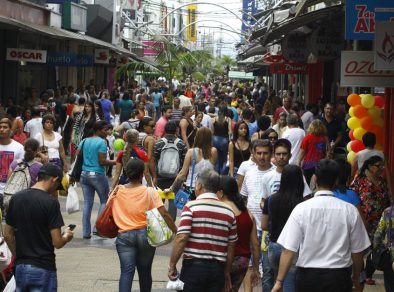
point(59, 33)
point(296, 22)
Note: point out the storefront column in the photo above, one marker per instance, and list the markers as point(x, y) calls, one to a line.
point(389, 128)
point(315, 89)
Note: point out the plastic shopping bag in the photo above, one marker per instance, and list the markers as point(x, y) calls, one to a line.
point(11, 285)
point(72, 203)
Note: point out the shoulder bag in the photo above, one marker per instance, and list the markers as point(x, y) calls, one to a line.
point(43, 149)
point(183, 195)
point(105, 224)
point(5, 253)
point(157, 230)
point(76, 169)
point(381, 256)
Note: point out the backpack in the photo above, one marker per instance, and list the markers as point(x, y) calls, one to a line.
point(19, 180)
point(169, 162)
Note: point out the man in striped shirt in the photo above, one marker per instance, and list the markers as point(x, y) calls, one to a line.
point(206, 236)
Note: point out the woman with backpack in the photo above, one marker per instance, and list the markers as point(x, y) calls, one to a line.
point(31, 149)
point(130, 151)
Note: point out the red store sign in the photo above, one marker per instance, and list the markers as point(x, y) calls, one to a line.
point(35, 56)
point(289, 68)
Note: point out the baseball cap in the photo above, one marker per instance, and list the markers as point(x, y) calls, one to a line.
point(54, 171)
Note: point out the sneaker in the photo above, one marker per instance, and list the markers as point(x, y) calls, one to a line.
point(370, 281)
point(87, 237)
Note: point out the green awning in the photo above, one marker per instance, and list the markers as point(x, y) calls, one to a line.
point(240, 75)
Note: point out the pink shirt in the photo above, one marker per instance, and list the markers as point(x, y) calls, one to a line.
point(159, 128)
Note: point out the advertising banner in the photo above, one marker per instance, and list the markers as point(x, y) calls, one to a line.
point(34, 56)
point(362, 15)
point(249, 7)
point(358, 69)
point(152, 48)
point(191, 31)
point(384, 46)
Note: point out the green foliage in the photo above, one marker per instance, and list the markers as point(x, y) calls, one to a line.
point(133, 67)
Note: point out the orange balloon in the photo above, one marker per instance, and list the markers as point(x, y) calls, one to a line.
point(366, 123)
point(360, 111)
point(354, 99)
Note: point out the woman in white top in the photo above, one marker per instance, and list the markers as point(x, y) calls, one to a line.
point(53, 141)
point(205, 156)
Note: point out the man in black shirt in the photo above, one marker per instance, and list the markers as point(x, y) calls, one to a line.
point(32, 231)
point(334, 128)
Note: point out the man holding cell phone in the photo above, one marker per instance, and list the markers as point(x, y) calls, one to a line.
point(33, 231)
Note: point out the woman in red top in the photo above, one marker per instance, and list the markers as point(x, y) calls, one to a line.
point(313, 148)
point(247, 234)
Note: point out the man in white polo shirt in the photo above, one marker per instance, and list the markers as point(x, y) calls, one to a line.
point(329, 236)
point(252, 187)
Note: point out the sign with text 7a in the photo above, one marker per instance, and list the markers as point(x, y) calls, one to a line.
point(362, 15)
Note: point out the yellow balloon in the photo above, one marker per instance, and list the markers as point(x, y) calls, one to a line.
point(351, 113)
point(379, 122)
point(348, 148)
point(374, 113)
point(367, 100)
point(359, 133)
point(353, 123)
point(350, 157)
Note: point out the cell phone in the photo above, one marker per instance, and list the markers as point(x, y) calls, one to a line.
point(72, 226)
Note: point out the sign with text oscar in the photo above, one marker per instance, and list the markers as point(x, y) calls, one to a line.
point(384, 46)
point(362, 15)
point(289, 68)
point(26, 55)
point(358, 69)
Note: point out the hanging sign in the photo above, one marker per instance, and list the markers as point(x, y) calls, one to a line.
point(362, 15)
point(358, 69)
point(101, 56)
point(327, 42)
point(295, 47)
point(384, 46)
point(34, 56)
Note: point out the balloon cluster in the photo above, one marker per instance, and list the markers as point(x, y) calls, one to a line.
point(365, 116)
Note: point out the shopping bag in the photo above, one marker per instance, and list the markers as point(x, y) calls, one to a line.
point(72, 203)
point(105, 224)
point(11, 285)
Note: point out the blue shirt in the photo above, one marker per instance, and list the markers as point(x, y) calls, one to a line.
point(156, 98)
point(106, 104)
point(235, 114)
point(252, 129)
point(91, 148)
point(350, 196)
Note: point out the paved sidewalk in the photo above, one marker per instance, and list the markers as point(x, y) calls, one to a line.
point(93, 265)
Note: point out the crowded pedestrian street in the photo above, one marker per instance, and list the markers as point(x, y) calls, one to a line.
point(197, 145)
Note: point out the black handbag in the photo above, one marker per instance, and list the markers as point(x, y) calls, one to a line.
point(77, 168)
point(381, 256)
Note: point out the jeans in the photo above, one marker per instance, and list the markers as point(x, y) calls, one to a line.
point(33, 279)
point(388, 276)
point(134, 251)
point(221, 144)
point(92, 182)
point(274, 252)
point(268, 277)
point(202, 275)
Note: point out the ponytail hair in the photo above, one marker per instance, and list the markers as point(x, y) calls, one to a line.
point(229, 187)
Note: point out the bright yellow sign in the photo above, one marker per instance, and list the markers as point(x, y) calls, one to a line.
point(191, 31)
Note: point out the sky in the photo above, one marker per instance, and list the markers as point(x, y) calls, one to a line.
point(228, 21)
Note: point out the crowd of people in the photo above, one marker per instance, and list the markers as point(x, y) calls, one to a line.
point(272, 197)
